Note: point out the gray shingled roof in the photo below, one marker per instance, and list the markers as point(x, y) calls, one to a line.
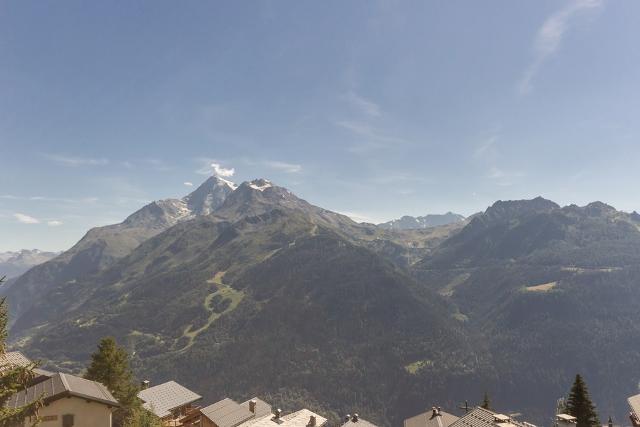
point(63, 385)
point(427, 419)
point(163, 398)
point(262, 407)
point(634, 403)
point(13, 358)
point(227, 413)
point(480, 417)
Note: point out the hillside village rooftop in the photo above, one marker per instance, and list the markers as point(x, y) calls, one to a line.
point(168, 399)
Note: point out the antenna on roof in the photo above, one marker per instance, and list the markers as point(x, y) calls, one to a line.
point(465, 406)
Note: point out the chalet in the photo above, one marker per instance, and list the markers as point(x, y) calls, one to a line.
point(255, 413)
point(436, 417)
point(480, 417)
point(169, 401)
point(355, 421)
point(69, 401)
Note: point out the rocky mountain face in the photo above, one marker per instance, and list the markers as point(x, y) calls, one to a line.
point(14, 263)
point(269, 295)
point(432, 220)
point(101, 247)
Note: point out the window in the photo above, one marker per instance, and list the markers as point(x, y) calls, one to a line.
point(67, 420)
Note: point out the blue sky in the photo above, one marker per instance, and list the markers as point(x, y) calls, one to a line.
point(373, 108)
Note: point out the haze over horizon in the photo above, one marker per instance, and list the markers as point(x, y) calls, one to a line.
point(381, 110)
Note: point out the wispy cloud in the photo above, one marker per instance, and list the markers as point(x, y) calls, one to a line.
point(363, 105)
point(549, 38)
point(25, 219)
point(158, 164)
point(373, 138)
point(211, 166)
point(188, 184)
point(283, 166)
point(49, 199)
point(77, 161)
point(504, 178)
point(54, 223)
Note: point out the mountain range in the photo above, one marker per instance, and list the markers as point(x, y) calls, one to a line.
point(15, 263)
point(250, 290)
point(433, 220)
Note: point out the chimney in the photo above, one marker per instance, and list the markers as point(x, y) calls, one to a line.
point(434, 411)
point(439, 409)
point(312, 421)
point(144, 385)
point(610, 423)
point(355, 418)
point(252, 406)
point(347, 418)
point(278, 413)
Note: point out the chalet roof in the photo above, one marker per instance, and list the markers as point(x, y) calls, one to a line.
point(357, 422)
point(63, 385)
point(428, 419)
point(480, 417)
point(13, 358)
point(163, 398)
point(302, 418)
point(262, 408)
point(634, 403)
point(227, 413)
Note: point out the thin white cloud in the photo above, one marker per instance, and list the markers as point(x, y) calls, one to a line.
point(549, 38)
point(283, 166)
point(222, 172)
point(54, 223)
point(25, 219)
point(214, 167)
point(504, 178)
point(188, 184)
point(77, 161)
point(158, 164)
point(373, 138)
point(364, 105)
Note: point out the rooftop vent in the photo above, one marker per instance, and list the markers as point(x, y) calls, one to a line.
point(145, 384)
point(501, 418)
point(252, 406)
point(355, 418)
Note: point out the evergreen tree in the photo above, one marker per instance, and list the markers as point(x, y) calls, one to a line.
point(140, 417)
point(110, 366)
point(13, 379)
point(486, 402)
point(580, 406)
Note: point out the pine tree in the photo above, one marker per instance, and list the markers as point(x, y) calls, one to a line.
point(13, 379)
point(580, 406)
point(140, 417)
point(110, 366)
point(486, 402)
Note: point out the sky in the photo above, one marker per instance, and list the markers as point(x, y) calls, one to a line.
point(376, 109)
